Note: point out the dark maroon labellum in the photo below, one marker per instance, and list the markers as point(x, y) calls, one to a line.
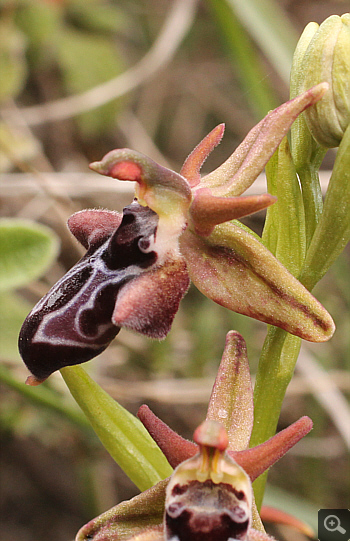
point(73, 322)
point(205, 511)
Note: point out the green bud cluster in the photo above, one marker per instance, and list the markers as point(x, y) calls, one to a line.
point(323, 55)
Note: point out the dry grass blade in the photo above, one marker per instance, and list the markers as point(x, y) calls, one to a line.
point(174, 29)
point(326, 392)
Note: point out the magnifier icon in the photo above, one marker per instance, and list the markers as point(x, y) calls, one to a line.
point(332, 524)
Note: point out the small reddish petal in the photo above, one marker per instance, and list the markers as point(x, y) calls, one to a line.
point(148, 303)
point(254, 461)
point(271, 514)
point(240, 170)
point(152, 178)
point(175, 447)
point(94, 226)
point(192, 166)
point(258, 459)
point(126, 171)
point(207, 211)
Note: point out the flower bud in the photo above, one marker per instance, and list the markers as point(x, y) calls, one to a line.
point(327, 59)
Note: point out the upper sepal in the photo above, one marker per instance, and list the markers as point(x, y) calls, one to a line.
point(233, 388)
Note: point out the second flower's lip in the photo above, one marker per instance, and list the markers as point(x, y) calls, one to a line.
point(210, 484)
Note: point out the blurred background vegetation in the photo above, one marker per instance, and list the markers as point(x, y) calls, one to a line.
point(77, 79)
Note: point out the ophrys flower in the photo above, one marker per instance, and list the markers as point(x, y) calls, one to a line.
point(181, 227)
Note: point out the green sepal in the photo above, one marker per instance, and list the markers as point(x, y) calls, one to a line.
point(128, 518)
point(269, 235)
point(303, 144)
point(286, 221)
point(307, 154)
point(235, 270)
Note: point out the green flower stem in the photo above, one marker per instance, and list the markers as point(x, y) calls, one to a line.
point(324, 233)
point(276, 368)
point(312, 197)
point(284, 235)
point(284, 230)
point(307, 156)
point(329, 232)
point(333, 229)
point(122, 434)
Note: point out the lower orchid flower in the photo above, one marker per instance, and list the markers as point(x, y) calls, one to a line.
point(209, 495)
point(180, 227)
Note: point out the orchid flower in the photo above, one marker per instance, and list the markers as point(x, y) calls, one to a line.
point(210, 489)
point(180, 227)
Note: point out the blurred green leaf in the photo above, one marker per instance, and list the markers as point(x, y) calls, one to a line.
point(48, 399)
point(27, 249)
point(12, 60)
point(96, 16)
point(257, 89)
point(269, 26)
point(294, 505)
point(40, 21)
point(13, 311)
point(86, 61)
